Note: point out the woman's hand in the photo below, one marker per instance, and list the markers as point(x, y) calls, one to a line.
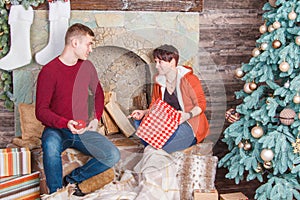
point(184, 117)
point(138, 114)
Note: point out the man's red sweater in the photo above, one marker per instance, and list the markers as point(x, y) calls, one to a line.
point(63, 93)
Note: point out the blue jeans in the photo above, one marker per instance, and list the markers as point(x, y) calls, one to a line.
point(181, 139)
point(54, 141)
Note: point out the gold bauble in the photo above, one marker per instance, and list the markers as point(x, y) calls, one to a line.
point(292, 15)
point(284, 66)
point(247, 88)
point(252, 86)
point(241, 145)
point(255, 52)
point(297, 40)
point(287, 116)
point(272, 3)
point(268, 165)
point(247, 146)
point(267, 155)
point(258, 169)
point(264, 46)
point(271, 28)
point(296, 99)
point(257, 131)
point(299, 115)
point(263, 28)
point(276, 44)
point(276, 25)
point(239, 72)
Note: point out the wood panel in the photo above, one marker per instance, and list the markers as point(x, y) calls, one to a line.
point(136, 5)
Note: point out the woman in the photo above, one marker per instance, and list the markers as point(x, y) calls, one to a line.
point(180, 88)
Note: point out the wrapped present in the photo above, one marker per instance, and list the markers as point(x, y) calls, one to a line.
point(160, 123)
point(15, 161)
point(20, 187)
point(233, 196)
point(206, 194)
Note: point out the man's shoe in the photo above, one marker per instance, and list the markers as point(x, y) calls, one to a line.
point(78, 191)
point(65, 182)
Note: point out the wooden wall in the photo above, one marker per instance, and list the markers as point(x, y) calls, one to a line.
point(228, 30)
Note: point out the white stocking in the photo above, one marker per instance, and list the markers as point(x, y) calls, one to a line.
point(19, 54)
point(59, 14)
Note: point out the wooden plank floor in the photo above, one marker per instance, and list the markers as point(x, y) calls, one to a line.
point(224, 185)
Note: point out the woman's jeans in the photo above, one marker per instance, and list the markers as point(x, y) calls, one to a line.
point(54, 141)
point(181, 139)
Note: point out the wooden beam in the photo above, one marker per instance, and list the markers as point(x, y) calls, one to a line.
point(135, 5)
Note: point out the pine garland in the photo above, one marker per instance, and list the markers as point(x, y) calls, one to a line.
point(6, 76)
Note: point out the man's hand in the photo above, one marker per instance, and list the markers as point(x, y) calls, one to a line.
point(71, 124)
point(93, 125)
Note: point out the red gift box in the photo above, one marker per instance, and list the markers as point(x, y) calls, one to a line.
point(159, 124)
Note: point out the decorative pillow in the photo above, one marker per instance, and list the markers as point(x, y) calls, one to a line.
point(30, 126)
point(195, 172)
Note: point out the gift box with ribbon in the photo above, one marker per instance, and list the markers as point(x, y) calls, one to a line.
point(15, 161)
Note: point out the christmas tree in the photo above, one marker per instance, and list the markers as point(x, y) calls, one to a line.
point(264, 137)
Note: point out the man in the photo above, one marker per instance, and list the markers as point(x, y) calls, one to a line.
point(62, 96)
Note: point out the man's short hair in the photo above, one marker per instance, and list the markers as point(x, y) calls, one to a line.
point(78, 30)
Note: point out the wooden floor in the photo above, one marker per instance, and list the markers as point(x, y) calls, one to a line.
point(224, 185)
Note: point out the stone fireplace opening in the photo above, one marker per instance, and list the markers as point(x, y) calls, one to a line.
point(123, 72)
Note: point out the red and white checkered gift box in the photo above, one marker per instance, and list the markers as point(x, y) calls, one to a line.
point(160, 123)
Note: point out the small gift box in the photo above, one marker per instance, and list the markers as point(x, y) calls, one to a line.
point(207, 195)
point(15, 161)
point(233, 196)
point(20, 186)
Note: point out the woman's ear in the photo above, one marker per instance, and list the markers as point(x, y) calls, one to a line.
point(173, 62)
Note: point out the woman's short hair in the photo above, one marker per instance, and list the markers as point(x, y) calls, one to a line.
point(166, 53)
point(78, 30)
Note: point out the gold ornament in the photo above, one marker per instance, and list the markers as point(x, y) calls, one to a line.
point(292, 15)
point(296, 144)
point(297, 40)
point(258, 168)
point(268, 165)
point(247, 146)
point(263, 28)
point(257, 131)
point(276, 25)
point(287, 116)
point(298, 115)
point(271, 28)
point(267, 155)
point(264, 46)
point(247, 88)
point(252, 86)
point(296, 99)
point(272, 3)
point(284, 66)
point(287, 84)
point(232, 115)
point(239, 72)
point(276, 44)
point(241, 145)
point(255, 52)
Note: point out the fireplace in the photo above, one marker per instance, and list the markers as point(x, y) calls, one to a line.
point(122, 53)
